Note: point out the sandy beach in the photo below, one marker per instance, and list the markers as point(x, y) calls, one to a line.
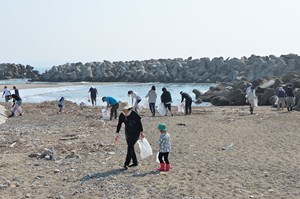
point(217, 152)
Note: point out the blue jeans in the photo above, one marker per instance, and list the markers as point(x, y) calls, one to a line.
point(152, 108)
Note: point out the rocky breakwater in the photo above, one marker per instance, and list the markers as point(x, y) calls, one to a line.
point(201, 70)
point(233, 93)
point(17, 71)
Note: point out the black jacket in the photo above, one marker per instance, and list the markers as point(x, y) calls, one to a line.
point(166, 97)
point(289, 92)
point(186, 96)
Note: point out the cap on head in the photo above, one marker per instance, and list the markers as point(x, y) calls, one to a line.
point(103, 99)
point(162, 127)
point(181, 92)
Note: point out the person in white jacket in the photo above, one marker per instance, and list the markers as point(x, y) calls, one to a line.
point(251, 96)
point(138, 99)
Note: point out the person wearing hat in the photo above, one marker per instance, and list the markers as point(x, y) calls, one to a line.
point(133, 131)
point(113, 104)
point(250, 96)
point(290, 100)
point(166, 99)
point(188, 102)
point(164, 148)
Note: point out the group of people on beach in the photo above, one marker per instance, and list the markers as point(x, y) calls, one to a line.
point(132, 120)
point(166, 100)
point(17, 101)
point(284, 97)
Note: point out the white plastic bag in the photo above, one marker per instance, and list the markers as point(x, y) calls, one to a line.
point(276, 101)
point(181, 107)
point(145, 148)
point(162, 109)
point(139, 107)
point(255, 102)
point(146, 103)
point(156, 159)
point(106, 114)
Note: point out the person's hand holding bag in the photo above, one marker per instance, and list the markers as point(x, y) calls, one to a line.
point(117, 137)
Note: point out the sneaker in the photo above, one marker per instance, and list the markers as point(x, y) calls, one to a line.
point(125, 167)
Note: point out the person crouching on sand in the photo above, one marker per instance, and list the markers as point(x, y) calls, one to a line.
point(16, 107)
point(164, 148)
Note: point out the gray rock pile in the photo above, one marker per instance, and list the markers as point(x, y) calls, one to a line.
point(201, 70)
point(233, 93)
point(18, 71)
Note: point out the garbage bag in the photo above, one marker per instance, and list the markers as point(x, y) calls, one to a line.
point(181, 107)
point(162, 109)
point(106, 114)
point(145, 148)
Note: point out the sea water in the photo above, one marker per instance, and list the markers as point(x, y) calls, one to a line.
point(78, 93)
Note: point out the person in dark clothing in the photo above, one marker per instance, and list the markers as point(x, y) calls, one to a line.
point(133, 130)
point(280, 92)
point(188, 102)
point(16, 91)
point(16, 106)
point(61, 104)
point(93, 91)
point(166, 99)
point(290, 100)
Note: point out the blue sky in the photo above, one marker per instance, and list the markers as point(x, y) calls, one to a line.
point(43, 33)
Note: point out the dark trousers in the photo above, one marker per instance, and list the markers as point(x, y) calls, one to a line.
point(113, 111)
point(168, 106)
point(163, 157)
point(152, 108)
point(93, 99)
point(130, 151)
point(188, 107)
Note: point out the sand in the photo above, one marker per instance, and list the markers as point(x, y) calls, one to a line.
point(217, 152)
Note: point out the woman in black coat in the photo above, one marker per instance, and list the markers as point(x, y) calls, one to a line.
point(133, 130)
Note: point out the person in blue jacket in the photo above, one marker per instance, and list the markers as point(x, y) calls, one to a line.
point(113, 104)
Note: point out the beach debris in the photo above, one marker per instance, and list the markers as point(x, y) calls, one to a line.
point(73, 154)
point(228, 147)
point(13, 144)
point(69, 137)
point(46, 154)
point(181, 124)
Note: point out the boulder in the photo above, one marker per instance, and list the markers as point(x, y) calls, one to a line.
point(219, 101)
point(265, 98)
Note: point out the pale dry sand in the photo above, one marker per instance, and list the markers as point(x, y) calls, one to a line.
point(260, 158)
